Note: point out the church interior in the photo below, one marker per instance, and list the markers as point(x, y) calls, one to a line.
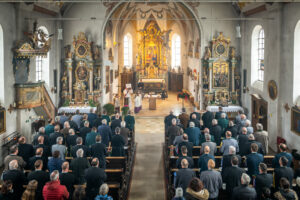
point(154, 61)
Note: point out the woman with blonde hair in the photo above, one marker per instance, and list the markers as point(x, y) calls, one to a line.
point(29, 193)
point(103, 193)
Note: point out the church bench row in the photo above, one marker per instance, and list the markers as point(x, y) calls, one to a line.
point(172, 161)
point(111, 162)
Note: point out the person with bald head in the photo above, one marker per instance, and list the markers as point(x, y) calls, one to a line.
point(184, 176)
point(193, 133)
point(105, 132)
point(38, 156)
point(229, 141)
point(42, 132)
point(194, 120)
point(203, 160)
point(26, 151)
point(94, 177)
point(243, 140)
point(57, 133)
point(168, 119)
point(185, 142)
point(172, 132)
point(283, 152)
point(66, 178)
point(217, 131)
point(16, 176)
point(251, 140)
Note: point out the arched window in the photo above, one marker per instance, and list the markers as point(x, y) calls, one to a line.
point(127, 51)
point(257, 54)
point(296, 84)
point(176, 51)
point(1, 66)
point(42, 63)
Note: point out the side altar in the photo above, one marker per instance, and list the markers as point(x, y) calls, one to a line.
point(221, 73)
point(80, 82)
point(153, 51)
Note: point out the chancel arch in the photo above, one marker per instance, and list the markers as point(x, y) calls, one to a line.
point(296, 83)
point(257, 55)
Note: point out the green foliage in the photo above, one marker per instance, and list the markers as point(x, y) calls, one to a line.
point(66, 103)
point(92, 103)
point(125, 110)
point(110, 108)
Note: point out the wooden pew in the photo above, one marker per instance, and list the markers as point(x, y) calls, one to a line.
point(111, 161)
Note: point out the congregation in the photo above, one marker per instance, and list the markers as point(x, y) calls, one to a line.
point(212, 157)
point(68, 158)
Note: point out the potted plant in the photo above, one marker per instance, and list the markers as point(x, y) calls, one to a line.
point(110, 108)
point(125, 110)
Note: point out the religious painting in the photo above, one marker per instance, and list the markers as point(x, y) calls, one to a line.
point(81, 71)
point(107, 79)
point(21, 69)
point(272, 88)
point(151, 55)
point(2, 120)
point(295, 122)
point(220, 74)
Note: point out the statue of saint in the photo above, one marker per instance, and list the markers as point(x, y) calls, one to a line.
point(152, 71)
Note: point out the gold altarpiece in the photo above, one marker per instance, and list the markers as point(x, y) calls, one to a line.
point(221, 77)
point(153, 50)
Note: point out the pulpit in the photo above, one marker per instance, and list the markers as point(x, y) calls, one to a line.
point(152, 103)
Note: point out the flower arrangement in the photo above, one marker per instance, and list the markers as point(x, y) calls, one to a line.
point(125, 110)
point(183, 95)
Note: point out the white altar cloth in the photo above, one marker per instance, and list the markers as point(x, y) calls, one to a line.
point(82, 109)
point(225, 109)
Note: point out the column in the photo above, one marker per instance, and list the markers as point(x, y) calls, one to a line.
point(91, 77)
point(233, 62)
point(210, 66)
point(68, 63)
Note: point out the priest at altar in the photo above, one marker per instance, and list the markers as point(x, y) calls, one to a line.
point(127, 95)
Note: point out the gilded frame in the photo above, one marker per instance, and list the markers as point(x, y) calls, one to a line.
point(272, 89)
point(220, 74)
point(2, 120)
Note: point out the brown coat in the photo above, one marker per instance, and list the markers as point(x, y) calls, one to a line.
point(11, 157)
point(184, 119)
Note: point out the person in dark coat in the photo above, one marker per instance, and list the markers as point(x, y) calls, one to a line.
point(216, 131)
point(41, 176)
point(97, 122)
point(38, 156)
point(203, 160)
point(117, 143)
point(25, 150)
point(78, 165)
point(98, 150)
point(17, 177)
point(233, 129)
point(184, 176)
point(185, 142)
point(251, 140)
point(283, 152)
point(84, 131)
point(285, 192)
point(168, 120)
point(94, 177)
point(184, 156)
point(244, 192)
point(243, 140)
point(55, 135)
point(193, 133)
point(7, 192)
point(253, 160)
point(219, 113)
point(115, 123)
point(130, 121)
point(46, 149)
point(13, 155)
point(226, 159)
point(71, 139)
point(198, 116)
point(172, 132)
point(91, 117)
point(195, 120)
point(223, 123)
point(79, 145)
point(66, 178)
point(105, 132)
point(105, 116)
point(263, 180)
point(283, 171)
point(55, 162)
point(124, 132)
point(41, 133)
point(207, 118)
point(232, 175)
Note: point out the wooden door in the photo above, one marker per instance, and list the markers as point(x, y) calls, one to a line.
point(259, 111)
point(126, 78)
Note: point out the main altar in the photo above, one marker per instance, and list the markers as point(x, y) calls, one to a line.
point(80, 82)
point(221, 73)
point(152, 56)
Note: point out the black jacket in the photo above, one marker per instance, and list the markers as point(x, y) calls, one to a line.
point(54, 136)
point(226, 161)
point(183, 178)
point(46, 150)
point(83, 132)
point(86, 150)
point(18, 179)
point(94, 177)
point(35, 158)
point(198, 116)
point(280, 172)
point(243, 140)
point(189, 146)
point(78, 165)
point(189, 159)
point(46, 139)
point(207, 119)
point(42, 178)
point(232, 177)
point(98, 150)
point(216, 131)
point(172, 132)
point(196, 122)
point(244, 192)
point(114, 124)
point(117, 143)
point(263, 181)
point(26, 151)
point(233, 130)
point(68, 180)
point(71, 141)
point(260, 147)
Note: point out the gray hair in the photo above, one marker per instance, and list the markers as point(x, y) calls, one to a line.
point(42, 129)
point(223, 115)
point(59, 139)
point(54, 175)
point(174, 121)
point(78, 140)
point(104, 121)
point(192, 124)
point(207, 137)
point(66, 124)
point(251, 137)
point(79, 153)
point(179, 192)
point(231, 123)
point(248, 122)
point(259, 127)
point(214, 122)
point(232, 150)
point(71, 131)
point(245, 179)
point(103, 189)
point(123, 124)
point(57, 119)
point(13, 165)
point(86, 123)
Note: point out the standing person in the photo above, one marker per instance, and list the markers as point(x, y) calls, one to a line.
point(77, 118)
point(59, 147)
point(84, 131)
point(26, 151)
point(207, 118)
point(285, 192)
point(184, 118)
point(105, 132)
point(262, 137)
point(53, 189)
point(244, 192)
point(204, 159)
point(30, 192)
point(212, 180)
point(130, 121)
point(172, 132)
point(67, 178)
point(91, 137)
point(193, 134)
point(92, 116)
point(117, 143)
point(196, 190)
point(253, 159)
point(14, 150)
point(137, 103)
point(227, 143)
point(127, 96)
point(263, 180)
point(7, 191)
point(78, 165)
point(283, 152)
point(184, 175)
point(283, 171)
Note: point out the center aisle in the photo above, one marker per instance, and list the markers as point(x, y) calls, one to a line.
point(148, 179)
